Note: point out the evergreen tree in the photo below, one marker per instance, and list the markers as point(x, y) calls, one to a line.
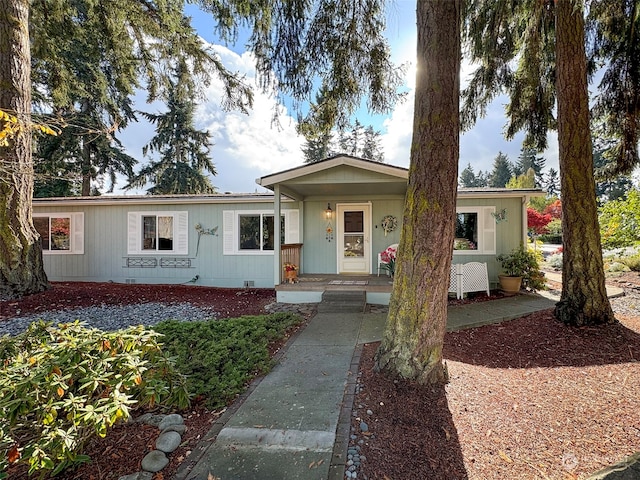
point(502, 171)
point(552, 183)
point(468, 179)
point(609, 187)
point(528, 159)
point(482, 178)
point(546, 40)
point(21, 264)
point(89, 73)
point(412, 342)
point(613, 40)
point(183, 150)
point(88, 58)
point(317, 130)
point(354, 138)
point(317, 147)
point(371, 148)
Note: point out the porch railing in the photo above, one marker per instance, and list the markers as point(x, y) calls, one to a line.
point(290, 253)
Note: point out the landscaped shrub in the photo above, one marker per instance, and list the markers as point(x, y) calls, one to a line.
point(61, 385)
point(555, 261)
point(219, 357)
point(615, 267)
point(620, 221)
point(632, 262)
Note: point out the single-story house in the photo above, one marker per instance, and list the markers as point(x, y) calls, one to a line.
point(333, 218)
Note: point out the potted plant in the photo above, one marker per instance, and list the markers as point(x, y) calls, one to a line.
point(388, 257)
point(290, 272)
point(521, 269)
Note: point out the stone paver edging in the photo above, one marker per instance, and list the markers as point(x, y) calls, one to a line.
point(171, 428)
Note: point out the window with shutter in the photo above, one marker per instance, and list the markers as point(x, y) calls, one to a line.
point(60, 233)
point(475, 231)
point(158, 232)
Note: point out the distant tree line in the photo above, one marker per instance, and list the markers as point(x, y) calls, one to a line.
point(527, 172)
point(356, 140)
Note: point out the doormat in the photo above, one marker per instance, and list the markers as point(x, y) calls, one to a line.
point(349, 282)
point(310, 279)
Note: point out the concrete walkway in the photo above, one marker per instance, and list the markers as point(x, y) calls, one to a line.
point(294, 424)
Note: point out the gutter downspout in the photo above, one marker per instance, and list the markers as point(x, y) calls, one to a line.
point(525, 229)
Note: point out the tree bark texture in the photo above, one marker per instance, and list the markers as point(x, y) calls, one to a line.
point(584, 297)
point(21, 267)
point(414, 333)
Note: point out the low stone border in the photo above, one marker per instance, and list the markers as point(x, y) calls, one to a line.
point(171, 428)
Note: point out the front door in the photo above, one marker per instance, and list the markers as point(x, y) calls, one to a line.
point(354, 238)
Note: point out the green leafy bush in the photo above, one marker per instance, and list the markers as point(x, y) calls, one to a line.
point(615, 267)
point(555, 261)
point(620, 221)
point(219, 357)
point(633, 262)
point(61, 385)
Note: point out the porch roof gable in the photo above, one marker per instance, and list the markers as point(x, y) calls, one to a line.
point(339, 175)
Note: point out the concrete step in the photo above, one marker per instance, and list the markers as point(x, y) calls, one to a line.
point(341, 301)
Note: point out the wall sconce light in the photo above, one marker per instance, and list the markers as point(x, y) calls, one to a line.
point(328, 213)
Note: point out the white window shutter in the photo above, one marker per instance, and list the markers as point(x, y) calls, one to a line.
point(228, 232)
point(488, 230)
point(181, 246)
point(134, 239)
point(77, 227)
point(291, 226)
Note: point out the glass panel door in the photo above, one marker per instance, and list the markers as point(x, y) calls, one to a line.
point(353, 238)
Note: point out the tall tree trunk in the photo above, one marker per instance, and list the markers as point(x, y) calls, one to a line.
point(584, 297)
point(85, 191)
point(21, 269)
point(85, 160)
point(414, 334)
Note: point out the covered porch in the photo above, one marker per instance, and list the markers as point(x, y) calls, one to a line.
point(340, 202)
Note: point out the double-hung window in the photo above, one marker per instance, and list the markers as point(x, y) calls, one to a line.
point(252, 232)
point(475, 231)
point(157, 233)
point(60, 233)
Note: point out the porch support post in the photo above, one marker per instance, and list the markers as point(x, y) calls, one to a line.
point(277, 246)
point(525, 201)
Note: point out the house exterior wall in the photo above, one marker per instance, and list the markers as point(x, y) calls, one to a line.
point(105, 248)
point(320, 255)
point(508, 232)
point(106, 241)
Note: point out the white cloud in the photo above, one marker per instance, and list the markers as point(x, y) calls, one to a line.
point(247, 146)
point(250, 145)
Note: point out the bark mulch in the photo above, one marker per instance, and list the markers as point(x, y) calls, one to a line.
point(527, 399)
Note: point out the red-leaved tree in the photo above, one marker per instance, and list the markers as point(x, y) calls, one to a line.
point(537, 222)
point(554, 209)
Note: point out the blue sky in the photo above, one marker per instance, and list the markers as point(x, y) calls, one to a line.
point(249, 146)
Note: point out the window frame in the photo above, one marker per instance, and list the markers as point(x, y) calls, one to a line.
point(231, 230)
point(486, 244)
point(76, 232)
point(135, 232)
